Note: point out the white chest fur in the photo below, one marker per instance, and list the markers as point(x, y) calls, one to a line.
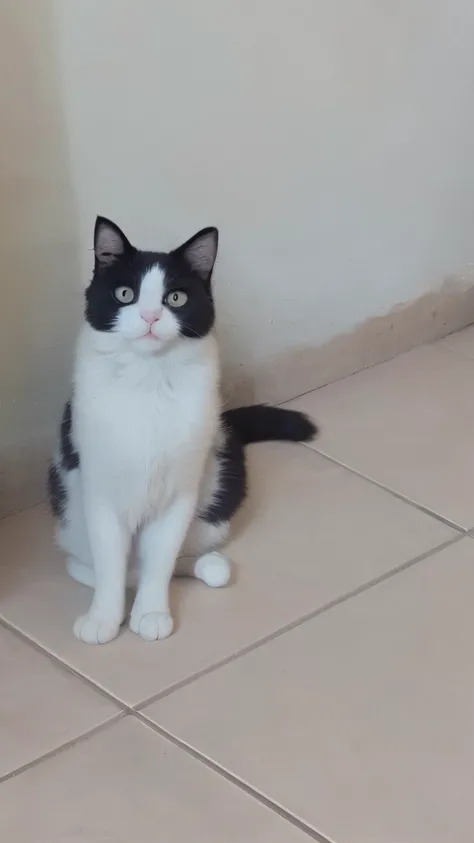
point(143, 425)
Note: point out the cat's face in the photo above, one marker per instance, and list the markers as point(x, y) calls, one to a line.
point(147, 300)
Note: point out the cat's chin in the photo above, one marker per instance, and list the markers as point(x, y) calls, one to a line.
point(149, 344)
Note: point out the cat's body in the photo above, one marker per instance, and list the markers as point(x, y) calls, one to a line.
point(147, 469)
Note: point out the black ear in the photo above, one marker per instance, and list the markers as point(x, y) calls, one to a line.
point(110, 243)
point(200, 252)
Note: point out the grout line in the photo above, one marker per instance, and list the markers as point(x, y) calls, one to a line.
point(255, 645)
point(63, 747)
point(274, 807)
point(288, 401)
point(63, 665)
point(428, 344)
point(23, 510)
point(193, 677)
point(399, 495)
point(232, 779)
point(198, 756)
point(343, 378)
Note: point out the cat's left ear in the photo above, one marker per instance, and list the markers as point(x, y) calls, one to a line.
point(200, 252)
point(110, 243)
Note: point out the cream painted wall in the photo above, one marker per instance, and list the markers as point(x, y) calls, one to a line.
point(330, 142)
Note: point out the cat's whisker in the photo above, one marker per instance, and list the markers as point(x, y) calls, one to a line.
point(193, 332)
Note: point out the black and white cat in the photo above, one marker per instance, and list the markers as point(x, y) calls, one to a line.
point(147, 468)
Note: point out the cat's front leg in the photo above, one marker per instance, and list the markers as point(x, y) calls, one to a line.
point(159, 543)
point(110, 543)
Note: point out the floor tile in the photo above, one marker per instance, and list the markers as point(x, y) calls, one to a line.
point(408, 424)
point(462, 342)
point(360, 721)
point(41, 705)
point(128, 784)
point(310, 533)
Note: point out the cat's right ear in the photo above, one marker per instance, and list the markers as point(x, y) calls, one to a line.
point(110, 243)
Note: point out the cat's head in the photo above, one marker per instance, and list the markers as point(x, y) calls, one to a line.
point(147, 300)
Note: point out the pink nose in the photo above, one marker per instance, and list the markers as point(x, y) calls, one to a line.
point(150, 316)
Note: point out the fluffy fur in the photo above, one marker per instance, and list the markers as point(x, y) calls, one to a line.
point(147, 469)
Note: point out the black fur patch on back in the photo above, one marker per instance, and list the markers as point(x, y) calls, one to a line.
point(232, 486)
point(69, 455)
point(56, 492)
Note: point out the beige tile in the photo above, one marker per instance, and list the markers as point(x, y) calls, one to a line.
point(461, 342)
point(127, 784)
point(360, 721)
point(41, 705)
point(311, 532)
point(408, 424)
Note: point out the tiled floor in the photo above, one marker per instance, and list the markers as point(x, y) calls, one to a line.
point(328, 694)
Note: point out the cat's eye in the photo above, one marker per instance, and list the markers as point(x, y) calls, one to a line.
point(124, 295)
point(177, 298)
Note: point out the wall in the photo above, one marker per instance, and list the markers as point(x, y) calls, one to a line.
point(38, 247)
point(330, 142)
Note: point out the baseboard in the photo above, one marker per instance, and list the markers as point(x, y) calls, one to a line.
point(428, 318)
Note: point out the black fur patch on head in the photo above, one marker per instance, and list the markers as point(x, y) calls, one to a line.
point(56, 492)
point(69, 455)
point(119, 264)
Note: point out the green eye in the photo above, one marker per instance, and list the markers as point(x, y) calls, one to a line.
point(124, 295)
point(177, 299)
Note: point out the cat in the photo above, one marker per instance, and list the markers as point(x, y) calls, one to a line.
point(147, 467)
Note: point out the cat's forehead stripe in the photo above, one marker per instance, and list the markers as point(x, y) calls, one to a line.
point(153, 283)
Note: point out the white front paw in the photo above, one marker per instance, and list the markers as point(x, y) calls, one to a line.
point(151, 626)
point(94, 628)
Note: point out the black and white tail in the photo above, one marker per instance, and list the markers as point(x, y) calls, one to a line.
point(262, 423)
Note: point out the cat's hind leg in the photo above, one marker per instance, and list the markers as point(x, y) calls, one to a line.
point(71, 531)
point(200, 557)
point(223, 490)
point(83, 574)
